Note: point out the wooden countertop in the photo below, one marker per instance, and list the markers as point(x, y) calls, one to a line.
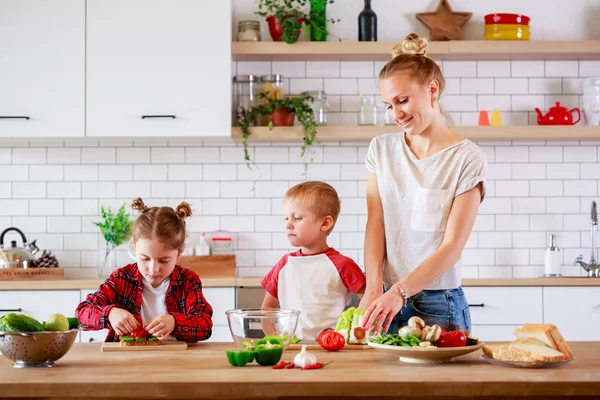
point(70, 284)
point(202, 372)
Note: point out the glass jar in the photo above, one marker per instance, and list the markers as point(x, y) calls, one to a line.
point(273, 86)
point(248, 31)
point(591, 100)
point(319, 106)
point(370, 113)
point(245, 96)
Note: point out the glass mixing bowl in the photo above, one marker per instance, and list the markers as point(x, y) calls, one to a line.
point(249, 325)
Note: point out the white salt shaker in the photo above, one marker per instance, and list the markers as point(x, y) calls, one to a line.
point(552, 258)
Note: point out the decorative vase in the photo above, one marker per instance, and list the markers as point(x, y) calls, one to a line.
point(107, 260)
point(283, 117)
point(276, 29)
point(367, 24)
point(318, 15)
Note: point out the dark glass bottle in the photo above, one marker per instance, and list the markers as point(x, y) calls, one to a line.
point(367, 24)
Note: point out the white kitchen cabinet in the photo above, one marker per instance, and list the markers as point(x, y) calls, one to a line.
point(39, 304)
point(42, 72)
point(494, 333)
point(221, 300)
point(574, 310)
point(158, 68)
point(505, 305)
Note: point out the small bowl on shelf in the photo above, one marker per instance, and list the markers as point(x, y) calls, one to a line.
point(506, 32)
point(505, 18)
point(249, 325)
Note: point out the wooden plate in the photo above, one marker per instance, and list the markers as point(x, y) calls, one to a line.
point(426, 355)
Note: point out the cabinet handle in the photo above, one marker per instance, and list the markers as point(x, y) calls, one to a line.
point(91, 339)
point(477, 305)
point(13, 117)
point(11, 309)
point(158, 116)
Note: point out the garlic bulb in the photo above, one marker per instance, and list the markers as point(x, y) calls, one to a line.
point(304, 358)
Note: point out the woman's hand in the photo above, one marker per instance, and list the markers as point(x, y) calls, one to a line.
point(370, 296)
point(122, 321)
point(382, 311)
point(162, 326)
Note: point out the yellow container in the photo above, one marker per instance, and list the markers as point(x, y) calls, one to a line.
point(506, 32)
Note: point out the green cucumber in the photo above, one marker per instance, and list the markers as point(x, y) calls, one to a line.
point(22, 323)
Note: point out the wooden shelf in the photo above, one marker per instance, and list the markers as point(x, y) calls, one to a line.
point(452, 50)
point(479, 133)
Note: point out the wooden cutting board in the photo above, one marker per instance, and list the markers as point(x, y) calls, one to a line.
point(315, 346)
point(164, 346)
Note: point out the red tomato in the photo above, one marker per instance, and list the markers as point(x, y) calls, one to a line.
point(331, 341)
point(140, 333)
point(322, 333)
point(452, 339)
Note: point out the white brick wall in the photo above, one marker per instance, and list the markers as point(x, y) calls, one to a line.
point(54, 193)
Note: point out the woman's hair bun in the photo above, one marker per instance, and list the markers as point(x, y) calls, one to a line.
point(138, 205)
point(183, 210)
point(412, 44)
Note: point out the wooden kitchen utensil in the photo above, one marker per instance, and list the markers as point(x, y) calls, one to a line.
point(168, 345)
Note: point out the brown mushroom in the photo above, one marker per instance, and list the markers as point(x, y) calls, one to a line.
point(424, 333)
point(413, 330)
point(434, 334)
point(417, 322)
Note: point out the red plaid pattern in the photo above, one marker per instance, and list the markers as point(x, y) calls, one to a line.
point(123, 289)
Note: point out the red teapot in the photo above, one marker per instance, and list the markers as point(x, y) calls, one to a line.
point(558, 115)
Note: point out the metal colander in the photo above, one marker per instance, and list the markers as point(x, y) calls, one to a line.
point(36, 349)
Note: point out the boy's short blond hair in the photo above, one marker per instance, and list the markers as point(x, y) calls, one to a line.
point(321, 198)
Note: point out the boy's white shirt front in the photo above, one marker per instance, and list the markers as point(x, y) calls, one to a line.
point(318, 285)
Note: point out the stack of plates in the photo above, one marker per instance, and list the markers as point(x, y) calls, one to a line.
point(506, 27)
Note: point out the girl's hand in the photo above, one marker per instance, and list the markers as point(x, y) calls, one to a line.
point(382, 311)
point(161, 327)
point(122, 321)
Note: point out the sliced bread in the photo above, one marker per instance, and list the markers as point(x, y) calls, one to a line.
point(528, 350)
point(548, 334)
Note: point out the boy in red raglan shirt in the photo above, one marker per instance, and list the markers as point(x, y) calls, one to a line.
point(316, 279)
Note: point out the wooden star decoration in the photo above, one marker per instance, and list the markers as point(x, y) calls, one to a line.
point(444, 23)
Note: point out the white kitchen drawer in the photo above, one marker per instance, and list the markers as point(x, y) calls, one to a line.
point(574, 310)
point(93, 336)
point(220, 334)
point(494, 333)
point(40, 304)
point(221, 300)
point(505, 305)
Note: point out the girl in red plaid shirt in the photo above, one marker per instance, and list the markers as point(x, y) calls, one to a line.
point(155, 293)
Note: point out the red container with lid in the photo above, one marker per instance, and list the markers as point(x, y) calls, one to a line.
point(505, 18)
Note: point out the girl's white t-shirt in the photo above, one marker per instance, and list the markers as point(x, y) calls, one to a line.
point(154, 301)
point(416, 196)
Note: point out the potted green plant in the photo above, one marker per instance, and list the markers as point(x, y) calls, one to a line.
point(282, 112)
point(286, 17)
point(116, 230)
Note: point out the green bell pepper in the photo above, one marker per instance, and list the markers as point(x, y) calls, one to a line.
point(239, 358)
point(268, 351)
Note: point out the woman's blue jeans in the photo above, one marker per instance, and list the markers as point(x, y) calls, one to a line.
point(435, 306)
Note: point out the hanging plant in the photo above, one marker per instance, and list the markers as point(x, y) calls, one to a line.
point(281, 112)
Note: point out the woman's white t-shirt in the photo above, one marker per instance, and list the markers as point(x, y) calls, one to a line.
point(416, 195)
